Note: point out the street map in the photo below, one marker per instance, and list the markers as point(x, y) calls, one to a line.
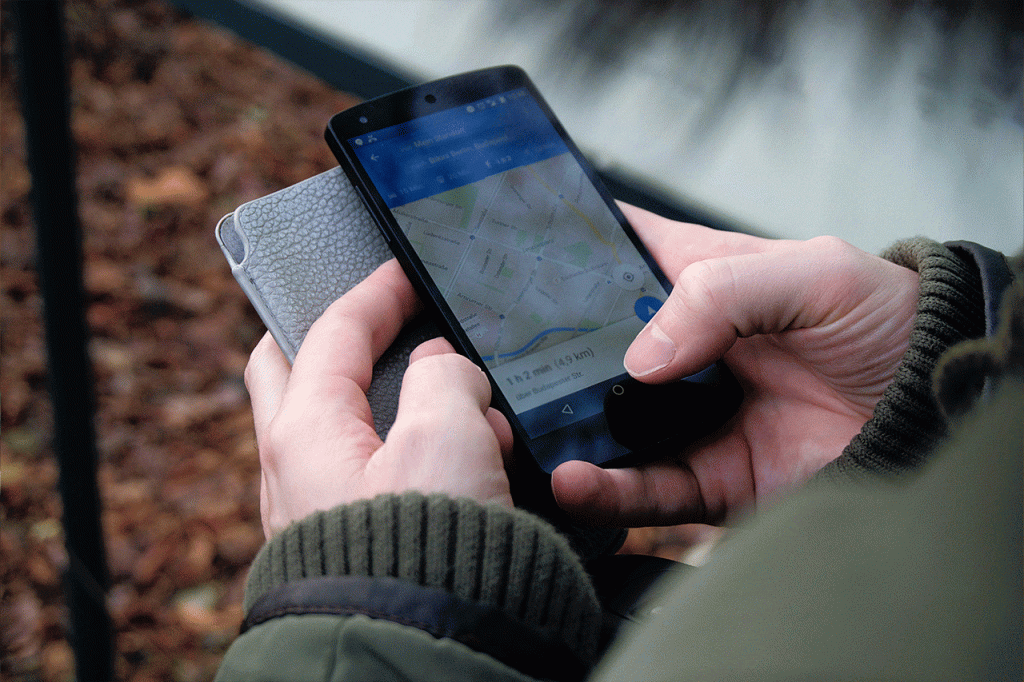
point(527, 258)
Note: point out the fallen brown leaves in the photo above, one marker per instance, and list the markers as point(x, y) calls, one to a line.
point(177, 123)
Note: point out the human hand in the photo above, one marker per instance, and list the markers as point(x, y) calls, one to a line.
point(814, 332)
point(317, 443)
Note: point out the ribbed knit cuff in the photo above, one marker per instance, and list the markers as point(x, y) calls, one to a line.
point(488, 554)
point(907, 422)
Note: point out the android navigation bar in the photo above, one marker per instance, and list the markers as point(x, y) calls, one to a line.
point(588, 402)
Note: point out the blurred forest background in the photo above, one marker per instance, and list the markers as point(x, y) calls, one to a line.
point(177, 123)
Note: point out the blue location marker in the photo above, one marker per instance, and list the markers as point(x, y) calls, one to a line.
point(646, 306)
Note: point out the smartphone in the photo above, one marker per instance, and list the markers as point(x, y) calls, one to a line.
point(534, 273)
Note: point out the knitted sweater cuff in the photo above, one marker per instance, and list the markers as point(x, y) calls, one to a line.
point(907, 422)
point(487, 554)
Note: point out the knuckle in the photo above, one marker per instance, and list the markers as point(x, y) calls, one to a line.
point(426, 368)
point(420, 433)
point(841, 264)
point(247, 375)
point(253, 364)
point(700, 286)
point(831, 247)
point(446, 369)
point(271, 443)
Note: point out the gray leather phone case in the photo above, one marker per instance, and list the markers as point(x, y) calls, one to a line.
point(294, 252)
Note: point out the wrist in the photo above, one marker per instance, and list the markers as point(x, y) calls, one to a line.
point(907, 422)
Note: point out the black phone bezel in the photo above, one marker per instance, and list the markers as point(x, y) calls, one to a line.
point(417, 101)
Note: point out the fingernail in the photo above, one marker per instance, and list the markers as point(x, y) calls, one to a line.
point(651, 350)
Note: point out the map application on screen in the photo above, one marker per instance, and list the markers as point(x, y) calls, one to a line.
point(540, 274)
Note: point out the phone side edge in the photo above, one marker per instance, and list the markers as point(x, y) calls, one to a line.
point(249, 288)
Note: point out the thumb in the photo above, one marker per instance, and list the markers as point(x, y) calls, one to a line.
point(716, 301)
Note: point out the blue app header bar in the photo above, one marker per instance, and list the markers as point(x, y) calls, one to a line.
point(456, 147)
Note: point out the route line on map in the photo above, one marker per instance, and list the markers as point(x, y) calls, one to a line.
point(534, 340)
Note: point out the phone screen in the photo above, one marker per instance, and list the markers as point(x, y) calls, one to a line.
point(543, 278)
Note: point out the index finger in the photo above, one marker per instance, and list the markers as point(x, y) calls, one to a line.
point(676, 244)
point(355, 330)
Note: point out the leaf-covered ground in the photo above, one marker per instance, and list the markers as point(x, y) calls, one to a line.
point(177, 123)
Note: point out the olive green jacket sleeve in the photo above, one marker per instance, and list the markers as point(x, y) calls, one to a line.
point(417, 587)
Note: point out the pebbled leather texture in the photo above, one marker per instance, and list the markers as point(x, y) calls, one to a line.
point(296, 251)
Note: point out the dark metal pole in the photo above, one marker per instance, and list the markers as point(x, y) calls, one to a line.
point(46, 108)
